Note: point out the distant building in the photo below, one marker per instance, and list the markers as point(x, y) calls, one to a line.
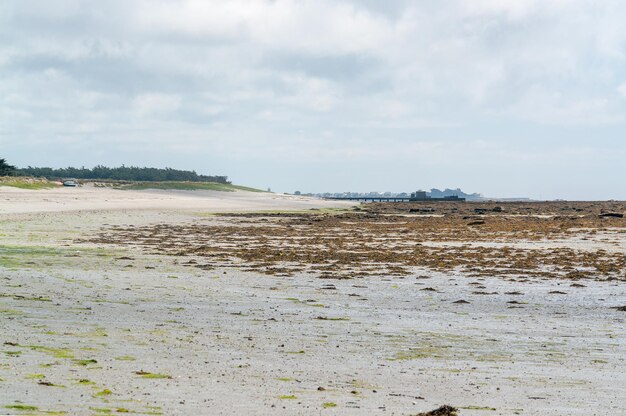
point(423, 196)
point(419, 195)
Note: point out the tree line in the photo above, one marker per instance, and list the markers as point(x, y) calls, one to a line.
point(5, 168)
point(122, 173)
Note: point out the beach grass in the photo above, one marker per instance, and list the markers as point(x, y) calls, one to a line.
point(27, 183)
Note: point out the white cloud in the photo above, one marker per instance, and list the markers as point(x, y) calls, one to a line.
point(314, 26)
point(518, 9)
point(156, 104)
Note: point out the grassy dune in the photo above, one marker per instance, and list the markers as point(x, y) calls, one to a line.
point(27, 183)
point(40, 183)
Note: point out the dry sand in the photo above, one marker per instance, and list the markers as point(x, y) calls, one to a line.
point(89, 198)
point(89, 329)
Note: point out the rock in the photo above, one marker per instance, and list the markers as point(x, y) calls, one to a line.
point(477, 222)
point(497, 209)
point(422, 210)
point(441, 411)
point(611, 215)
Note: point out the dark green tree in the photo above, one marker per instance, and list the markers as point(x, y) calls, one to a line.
point(128, 173)
point(5, 168)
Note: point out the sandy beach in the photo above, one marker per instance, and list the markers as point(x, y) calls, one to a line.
point(148, 302)
point(89, 198)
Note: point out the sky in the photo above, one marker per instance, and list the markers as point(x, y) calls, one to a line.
point(523, 98)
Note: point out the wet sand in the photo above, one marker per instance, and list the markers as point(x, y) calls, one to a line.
point(95, 327)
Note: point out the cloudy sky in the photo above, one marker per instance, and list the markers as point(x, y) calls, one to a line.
point(505, 98)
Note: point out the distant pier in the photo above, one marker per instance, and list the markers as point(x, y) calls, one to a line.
point(370, 198)
point(419, 196)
